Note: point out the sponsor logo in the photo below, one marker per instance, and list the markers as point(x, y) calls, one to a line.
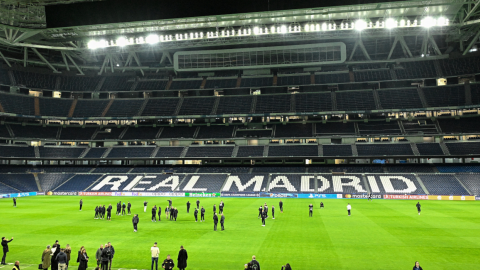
point(451, 198)
point(40, 193)
point(62, 193)
point(477, 198)
point(348, 196)
point(202, 194)
point(23, 194)
point(240, 194)
point(94, 193)
point(278, 195)
point(406, 197)
point(320, 196)
point(363, 196)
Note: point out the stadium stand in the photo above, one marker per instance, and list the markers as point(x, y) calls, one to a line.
point(60, 152)
point(169, 152)
point(458, 168)
point(203, 183)
point(395, 183)
point(245, 183)
point(405, 168)
point(109, 133)
point(151, 85)
point(419, 127)
point(399, 99)
point(209, 151)
point(459, 66)
point(51, 181)
point(256, 81)
point(445, 96)
point(160, 107)
point(257, 133)
point(272, 103)
point(439, 183)
point(124, 108)
point(40, 132)
point(250, 151)
point(471, 182)
point(372, 75)
point(210, 132)
point(334, 128)
point(278, 169)
point(77, 133)
point(221, 83)
point(35, 80)
point(95, 152)
point(293, 80)
point(130, 152)
point(333, 150)
point(287, 183)
point(293, 151)
point(332, 78)
point(79, 182)
point(140, 133)
point(293, 130)
point(111, 170)
point(186, 84)
point(117, 83)
point(429, 149)
point(21, 182)
point(463, 148)
point(313, 102)
point(416, 70)
point(18, 104)
point(55, 106)
point(462, 125)
point(90, 108)
point(355, 100)
point(197, 106)
point(178, 132)
point(390, 149)
point(379, 128)
point(232, 105)
point(223, 170)
point(72, 83)
point(16, 151)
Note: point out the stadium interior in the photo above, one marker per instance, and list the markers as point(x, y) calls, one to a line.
point(300, 102)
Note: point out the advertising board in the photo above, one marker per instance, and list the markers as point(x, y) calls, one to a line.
point(405, 197)
point(320, 196)
point(202, 194)
point(278, 195)
point(18, 195)
point(451, 198)
point(240, 194)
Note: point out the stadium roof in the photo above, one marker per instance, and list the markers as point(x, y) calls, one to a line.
point(24, 27)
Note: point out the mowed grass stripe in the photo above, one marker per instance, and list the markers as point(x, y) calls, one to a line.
point(380, 234)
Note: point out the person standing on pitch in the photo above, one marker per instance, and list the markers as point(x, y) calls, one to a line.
point(135, 222)
point(202, 214)
point(188, 207)
point(109, 212)
point(145, 206)
point(128, 208)
point(103, 211)
point(222, 220)
point(419, 208)
point(169, 203)
point(166, 212)
point(260, 211)
point(14, 202)
point(264, 216)
point(220, 207)
point(159, 213)
point(119, 207)
point(46, 255)
point(62, 259)
point(81, 204)
point(155, 254)
point(123, 209)
point(310, 213)
point(417, 266)
point(168, 263)
point(198, 204)
point(195, 213)
point(172, 213)
point(321, 205)
point(349, 209)
point(254, 263)
point(280, 204)
point(265, 208)
point(96, 213)
point(154, 213)
point(175, 213)
point(5, 248)
point(214, 209)
point(215, 221)
point(273, 212)
point(112, 253)
point(105, 257)
point(182, 259)
point(98, 255)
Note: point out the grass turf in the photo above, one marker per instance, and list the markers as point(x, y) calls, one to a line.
point(380, 234)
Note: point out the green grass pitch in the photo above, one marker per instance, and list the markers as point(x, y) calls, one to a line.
point(380, 234)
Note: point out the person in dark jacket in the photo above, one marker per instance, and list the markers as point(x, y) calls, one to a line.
point(220, 207)
point(280, 204)
point(128, 208)
point(260, 211)
point(14, 202)
point(105, 257)
point(198, 204)
point(255, 264)
point(195, 213)
point(62, 259)
point(182, 259)
point(172, 213)
point(135, 222)
point(202, 214)
point(419, 208)
point(215, 221)
point(214, 209)
point(109, 212)
point(286, 267)
point(168, 263)
point(83, 260)
point(417, 266)
point(68, 252)
point(175, 213)
point(273, 212)
point(54, 257)
point(159, 213)
point(98, 255)
point(188, 207)
point(5, 249)
point(169, 203)
point(264, 216)
point(154, 213)
point(97, 209)
point(112, 253)
point(123, 209)
point(16, 266)
point(222, 220)
point(81, 204)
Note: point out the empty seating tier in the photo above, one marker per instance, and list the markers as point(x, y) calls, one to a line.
point(439, 183)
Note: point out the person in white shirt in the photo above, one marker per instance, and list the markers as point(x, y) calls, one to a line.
point(349, 207)
point(155, 253)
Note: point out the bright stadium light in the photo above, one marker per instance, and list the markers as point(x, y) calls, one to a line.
point(307, 27)
point(92, 44)
point(121, 41)
point(428, 22)
point(390, 23)
point(360, 25)
point(442, 21)
point(256, 30)
point(283, 29)
point(102, 43)
point(152, 39)
point(402, 23)
point(324, 26)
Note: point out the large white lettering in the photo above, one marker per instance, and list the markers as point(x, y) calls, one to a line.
point(174, 179)
point(373, 184)
point(258, 180)
point(115, 184)
point(305, 186)
point(325, 183)
point(190, 185)
point(285, 184)
point(388, 186)
point(338, 185)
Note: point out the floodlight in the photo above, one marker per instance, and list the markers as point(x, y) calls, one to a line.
point(390, 23)
point(92, 44)
point(317, 27)
point(307, 27)
point(102, 43)
point(121, 41)
point(272, 29)
point(402, 23)
point(442, 21)
point(256, 30)
point(428, 22)
point(324, 26)
point(152, 39)
point(283, 29)
point(360, 25)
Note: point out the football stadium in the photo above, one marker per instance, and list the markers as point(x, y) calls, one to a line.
point(225, 135)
